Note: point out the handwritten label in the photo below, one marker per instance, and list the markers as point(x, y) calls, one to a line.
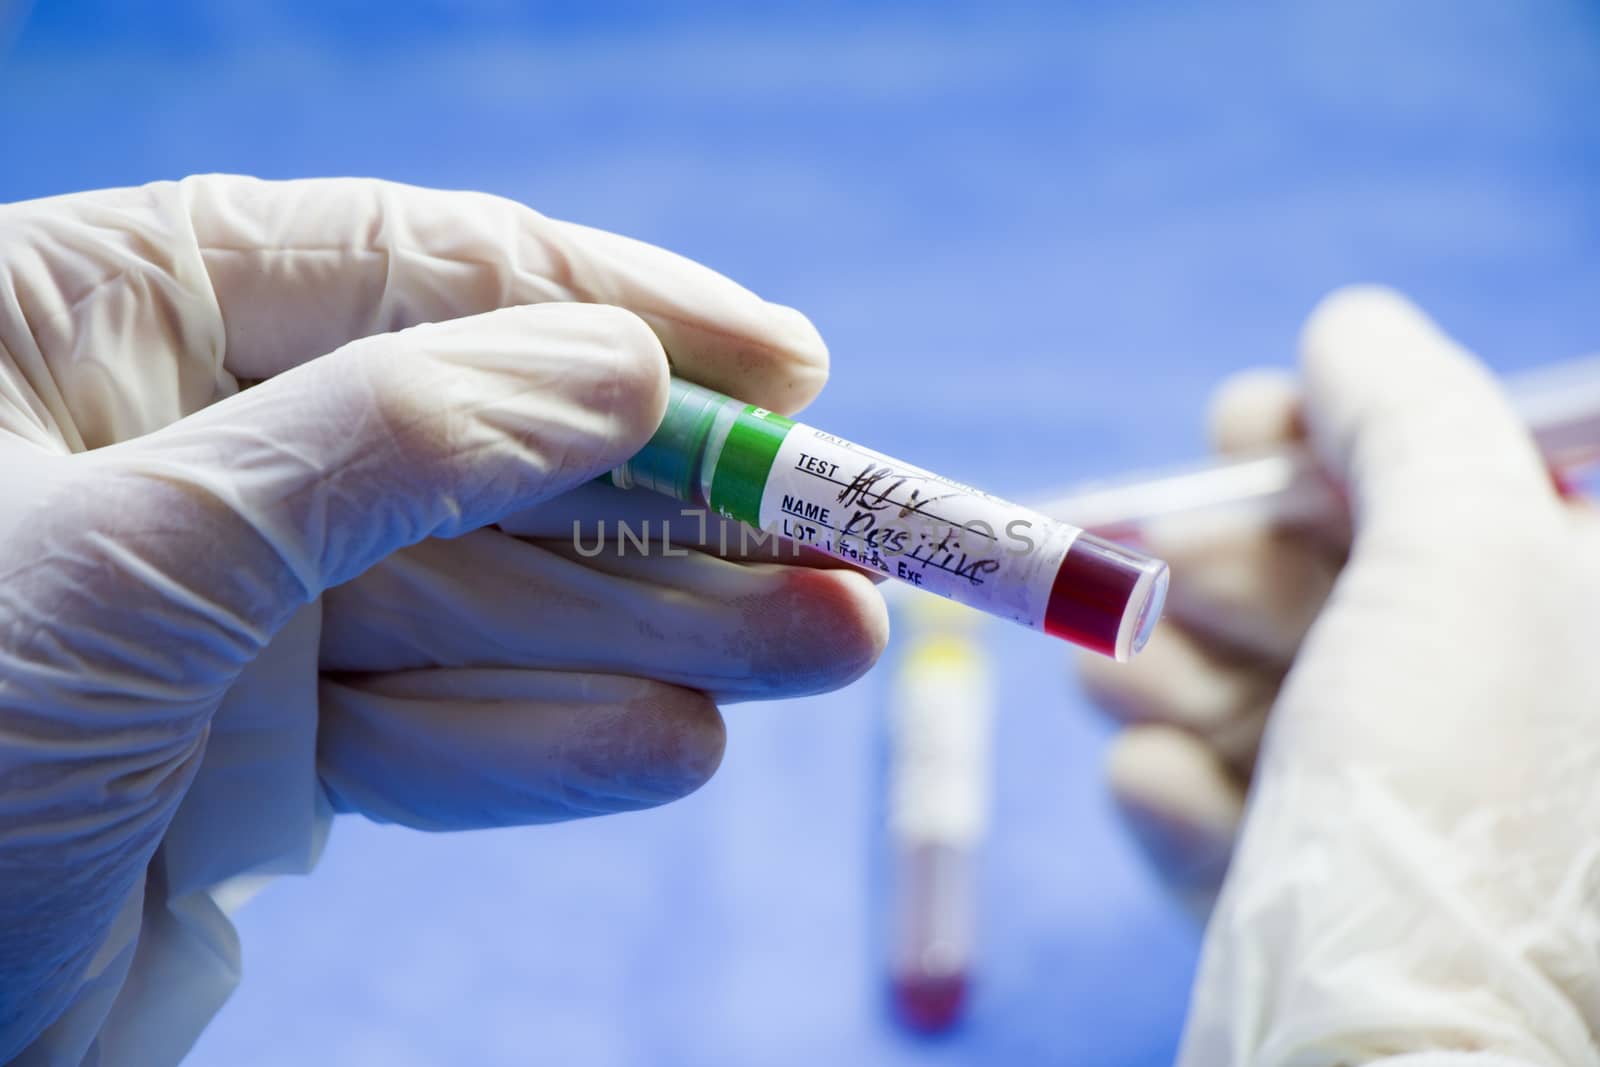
point(935, 533)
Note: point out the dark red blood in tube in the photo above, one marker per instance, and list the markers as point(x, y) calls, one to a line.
point(1090, 594)
point(930, 1004)
point(932, 919)
point(1566, 486)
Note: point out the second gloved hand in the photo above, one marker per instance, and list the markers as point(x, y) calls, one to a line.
point(1416, 878)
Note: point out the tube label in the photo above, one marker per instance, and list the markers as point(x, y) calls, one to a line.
point(910, 524)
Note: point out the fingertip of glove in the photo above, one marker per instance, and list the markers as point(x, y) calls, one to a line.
point(1178, 800)
point(616, 363)
point(653, 749)
point(796, 331)
point(1404, 413)
point(1254, 409)
point(691, 741)
point(1371, 336)
point(822, 628)
point(1148, 762)
point(641, 376)
point(808, 359)
point(1362, 298)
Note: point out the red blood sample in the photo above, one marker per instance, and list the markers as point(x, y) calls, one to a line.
point(1091, 595)
point(932, 950)
point(930, 1004)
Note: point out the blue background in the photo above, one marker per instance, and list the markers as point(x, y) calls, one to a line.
point(1034, 237)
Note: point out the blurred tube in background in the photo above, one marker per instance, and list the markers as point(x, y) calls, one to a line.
point(940, 721)
point(1560, 404)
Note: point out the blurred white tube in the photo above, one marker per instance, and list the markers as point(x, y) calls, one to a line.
point(940, 722)
point(1560, 404)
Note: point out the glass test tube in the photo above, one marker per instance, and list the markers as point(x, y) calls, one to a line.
point(1560, 403)
point(819, 490)
point(940, 724)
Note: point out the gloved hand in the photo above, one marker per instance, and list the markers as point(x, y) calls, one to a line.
point(1417, 875)
point(220, 605)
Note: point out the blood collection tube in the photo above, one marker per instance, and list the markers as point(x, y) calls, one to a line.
point(1559, 403)
point(940, 723)
point(815, 489)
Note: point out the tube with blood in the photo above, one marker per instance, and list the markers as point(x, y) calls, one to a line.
point(941, 706)
point(819, 490)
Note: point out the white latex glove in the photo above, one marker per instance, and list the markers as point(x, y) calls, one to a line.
point(209, 612)
point(1417, 877)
